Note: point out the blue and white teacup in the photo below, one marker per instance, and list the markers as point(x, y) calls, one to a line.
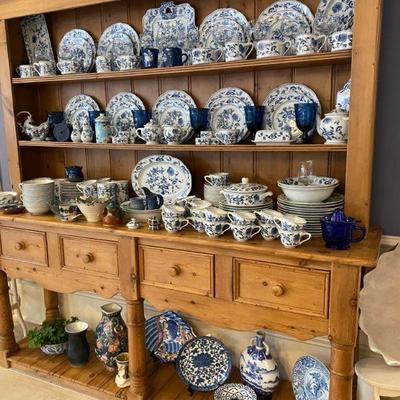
point(269, 232)
point(207, 134)
point(228, 136)
point(217, 178)
point(197, 224)
point(123, 137)
point(342, 40)
point(127, 62)
point(150, 134)
point(88, 188)
point(204, 55)
point(174, 224)
point(242, 233)
point(294, 239)
point(103, 64)
point(215, 229)
point(173, 211)
point(290, 223)
point(173, 134)
point(45, 68)
point(26, 71)
point(267, 216)
point(272, 48)
point(242, 218)
point(309, 43)
point(235, 51)
point(214, 214)
point(69, 66)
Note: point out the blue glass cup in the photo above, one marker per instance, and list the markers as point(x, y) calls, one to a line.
point(340, 235)
point(92, 118)
point(199, 119)
point(141, 117)
point(306, 114)
point(149, 57)
point(173, 57)
point(254, 117)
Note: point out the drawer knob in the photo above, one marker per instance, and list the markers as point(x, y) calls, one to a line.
point(19, 246)
point(278, 289)
point(88, 258)
point(174, 271)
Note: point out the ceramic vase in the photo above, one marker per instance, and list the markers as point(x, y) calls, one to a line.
point(78, 349)
point(111, 335)
point(257, 367)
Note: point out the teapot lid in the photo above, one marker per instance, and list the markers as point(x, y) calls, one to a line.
point(337, 112)
point(246, 187)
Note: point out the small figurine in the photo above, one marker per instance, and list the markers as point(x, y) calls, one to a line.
point(154, 224)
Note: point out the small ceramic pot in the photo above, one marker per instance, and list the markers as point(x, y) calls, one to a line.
point(242, 233)
point(214, 214)
point(235, 51)
point(334, 128)
point(309, 44)
point(45, 68)
point(149, 57)
point(26, 71)
point(242, 218)
point(228, 136)
point(172, 57)
point(269, 231)
point(126, 62)
point(74, 173)
point(69, 66)
point(342, 40)
point(103, 129)
point(103, 64)
point(92, 213)
point(197, 224)
point(54, 349)
point(215, 229)
point(173, 134)
point(290, 223)
point(205, 55)
point(78, 349)
point(267, 216)
point(272, 48)
point(217, 179)
point(174, 224)
point(294, 239)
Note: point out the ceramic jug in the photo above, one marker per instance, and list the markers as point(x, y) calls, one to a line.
point(78, 349)
point(257, 367)
point(111, 335)
point(334, 127)
point(74, 173)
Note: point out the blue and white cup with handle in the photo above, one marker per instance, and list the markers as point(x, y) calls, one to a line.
point(205, 55)
point(342, 40)
point(235, 51)
point(242, 233)
point(294, 239)
point(215, 229)
point(309, 43)
point(26, 71)
point(272, 48)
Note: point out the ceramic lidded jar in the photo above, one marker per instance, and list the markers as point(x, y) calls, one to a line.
point(257, 367)
point(246, 193)
point(111, 335)
point(103, 129)
point(334, 127)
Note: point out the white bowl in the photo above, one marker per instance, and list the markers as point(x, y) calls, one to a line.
point(37, 209)
point(92, 212)
point(319, 190)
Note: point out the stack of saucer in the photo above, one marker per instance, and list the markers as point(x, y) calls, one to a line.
point(66, 191)
point(312, 212)
point(37, 194)
point(268, 205)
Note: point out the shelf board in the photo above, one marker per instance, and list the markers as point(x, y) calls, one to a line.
point(188, 147)
point(95, 380)
point(340, 57)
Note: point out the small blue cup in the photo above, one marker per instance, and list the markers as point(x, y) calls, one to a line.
point(254, 117)
point(173, 57)
point(149, 57)
point(199, 118)
point(141, 117)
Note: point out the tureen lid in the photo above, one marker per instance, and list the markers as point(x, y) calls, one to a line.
point(246, 187)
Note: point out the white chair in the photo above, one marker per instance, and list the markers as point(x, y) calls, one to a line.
point(376, 379)
point(15, 301)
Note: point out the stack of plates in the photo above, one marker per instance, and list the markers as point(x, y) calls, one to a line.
point(268, 205)
point(66, 191)
point(213, 194)
point(311, 212)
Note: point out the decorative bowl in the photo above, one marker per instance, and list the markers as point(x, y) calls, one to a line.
point(141, 216)
point(54, 349)
point(317, 191)
point(235, 391)
point(92, 212)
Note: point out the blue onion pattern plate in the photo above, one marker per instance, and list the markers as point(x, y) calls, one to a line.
point(162, 174)
point(166, 333)
point(78, 107)
point(310, 379)
point(204, 363)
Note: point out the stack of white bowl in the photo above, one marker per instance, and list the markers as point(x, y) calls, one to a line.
point(37, 194)
point(215, 182)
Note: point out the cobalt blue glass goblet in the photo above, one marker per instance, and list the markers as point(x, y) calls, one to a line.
point(199, 119)
point(306, 114)
point(141, 117)
point(254, 117)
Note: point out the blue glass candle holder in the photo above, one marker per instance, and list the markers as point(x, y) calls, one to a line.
point(306, 114)
point(254, 117)
point(199, 119)
point(141, 117)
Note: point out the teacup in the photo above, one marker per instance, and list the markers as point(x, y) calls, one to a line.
point(67, 212)
point(228, 136)
point(173, 57)
point(267, 216)
point(237, 50)
point(149, 57)
point(215, 229)
point(126, 62)
point(309, 44)
point(242, 233)
point(122, 137)
point(26, 71)
point(205, 55)
point(217, 178)
point(69, 66)
point(197, 212)
point(197, 224)
point(174, 224)
point(106, 190)
point(342, 40)
point(197, 204)
point(242, 218)
point(151, 135)
point(122, 190)
point(173, 134)
point(88, 188)
point(206, 134)
point(214, 214)
point(173, 211)
point(269, 231)
point(272, 47)
point(103, 64)
point(44, 68)
point(290, 223)
point(294, 239)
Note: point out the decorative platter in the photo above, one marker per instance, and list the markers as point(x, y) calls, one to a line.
point(162, 174)
point(235, 391)
point(204, 363)
point(166, 333)
point(310, 379)
point(79, 46)
point(78, 107)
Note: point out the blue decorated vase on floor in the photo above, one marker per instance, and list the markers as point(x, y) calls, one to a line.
point(111, 335)
point(257, 367)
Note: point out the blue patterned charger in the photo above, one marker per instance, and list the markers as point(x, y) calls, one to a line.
point(310, 379)
point(204, 363)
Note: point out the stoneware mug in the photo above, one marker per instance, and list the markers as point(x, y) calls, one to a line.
point(294, 239)
point(103, 64)
point(69, 66)
point(309, 44)
point(342, 40)
point(126, 62)
point(173, 57)
point(173, 134)
point(205, 55)
point(237, 51)
point(174, 224)
point(272, 48)
point(44, 68)
point(26, 71)
point(217, 178)
point(242, 233)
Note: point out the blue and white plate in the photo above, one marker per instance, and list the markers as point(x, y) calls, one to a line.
point(166, 333)
point(333, 16)
point(78, 45)
point(78, 107)
point(204, 363)
point(235, 391)
point(310, 379)
point(162, 174)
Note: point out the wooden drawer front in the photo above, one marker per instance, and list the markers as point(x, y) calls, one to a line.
point(91, 255)
point(286, 288)
point(181, 270)
point(24, 245)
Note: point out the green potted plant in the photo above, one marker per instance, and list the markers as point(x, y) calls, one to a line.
point(51, 336)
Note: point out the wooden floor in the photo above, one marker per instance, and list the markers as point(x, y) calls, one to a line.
point(95, 380)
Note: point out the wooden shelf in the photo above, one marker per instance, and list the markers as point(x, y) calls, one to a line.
point(95, 380)
point(233, 66)
point(188, 147)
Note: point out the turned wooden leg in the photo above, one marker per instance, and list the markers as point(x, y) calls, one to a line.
point(8, 344)
point(343, 329)
point(137, 351)
point(51, 304)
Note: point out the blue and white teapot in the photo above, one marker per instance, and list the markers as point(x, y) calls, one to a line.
point(334, 127)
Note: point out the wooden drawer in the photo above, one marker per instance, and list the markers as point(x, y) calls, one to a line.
point(181, 270)
point(286, 288)
point(28, 246)
point(92, 255)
